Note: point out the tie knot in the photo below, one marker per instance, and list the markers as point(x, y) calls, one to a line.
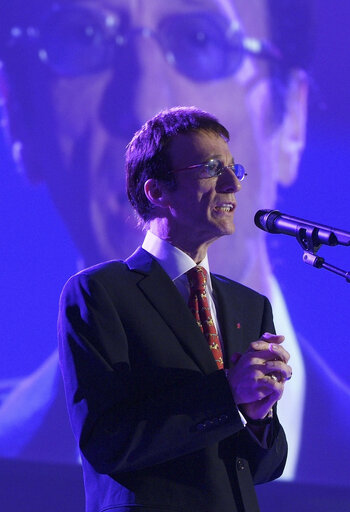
point(197, 278)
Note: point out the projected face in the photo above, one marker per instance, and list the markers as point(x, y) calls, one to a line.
point(105, 67)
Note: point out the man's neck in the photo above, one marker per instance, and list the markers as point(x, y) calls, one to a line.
point(197, 253)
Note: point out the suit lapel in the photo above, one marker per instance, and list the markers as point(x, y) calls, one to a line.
point(165, 298)
point(228, 311)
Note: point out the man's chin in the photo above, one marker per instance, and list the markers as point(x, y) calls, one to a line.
point(228, 230)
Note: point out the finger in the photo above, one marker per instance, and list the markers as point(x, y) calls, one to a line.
point(277, 370)
point(269, 388)
point(278, 352)
point(270, 351)
point(266, 340)
point(274, 385)
point(277, 377)
point(272, 338)
point(282, 370)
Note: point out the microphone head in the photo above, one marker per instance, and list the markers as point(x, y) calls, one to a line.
point(264, 219)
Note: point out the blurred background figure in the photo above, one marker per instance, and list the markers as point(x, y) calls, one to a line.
point(77, 79)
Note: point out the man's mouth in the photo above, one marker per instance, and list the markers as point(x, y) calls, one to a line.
point(224, 207)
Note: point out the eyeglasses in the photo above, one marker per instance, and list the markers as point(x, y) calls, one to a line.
point(213, 168)
point(75, 40)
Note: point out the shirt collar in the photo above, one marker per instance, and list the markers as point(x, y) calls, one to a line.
point(174, 261)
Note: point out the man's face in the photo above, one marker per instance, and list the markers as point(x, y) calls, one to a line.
point(88, 120)
point(200, 210)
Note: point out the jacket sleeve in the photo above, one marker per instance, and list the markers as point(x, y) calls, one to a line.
point(265, 464)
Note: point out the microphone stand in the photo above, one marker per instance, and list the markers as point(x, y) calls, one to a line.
point(309, 241)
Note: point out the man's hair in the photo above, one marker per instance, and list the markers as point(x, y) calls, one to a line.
point(148, 155)
point(290, 28)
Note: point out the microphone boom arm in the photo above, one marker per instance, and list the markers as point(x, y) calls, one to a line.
point(316, 261)
point(309, 237)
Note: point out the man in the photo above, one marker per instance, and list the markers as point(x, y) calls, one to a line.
point(155, 415)
point(85, 96)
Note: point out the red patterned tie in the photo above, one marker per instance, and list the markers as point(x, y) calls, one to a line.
point(199, 305)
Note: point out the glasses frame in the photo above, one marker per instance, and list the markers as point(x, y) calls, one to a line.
point(220, 170)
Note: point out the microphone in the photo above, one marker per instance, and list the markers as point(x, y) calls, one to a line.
point(274, 221)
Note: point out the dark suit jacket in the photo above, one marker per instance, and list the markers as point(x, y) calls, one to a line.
point(155, 420)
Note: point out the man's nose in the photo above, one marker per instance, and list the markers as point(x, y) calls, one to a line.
point(158, 81)
point(117, 105)
point(228, 182)
point(140, 86)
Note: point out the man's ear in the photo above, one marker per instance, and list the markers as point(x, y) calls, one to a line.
point(155, 192)
point(290, 136)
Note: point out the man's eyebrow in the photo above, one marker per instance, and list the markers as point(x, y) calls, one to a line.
point(220, 157)
point(223, 5)
point(198, 3)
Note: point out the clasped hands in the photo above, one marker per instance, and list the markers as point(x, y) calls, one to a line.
point(257, 377)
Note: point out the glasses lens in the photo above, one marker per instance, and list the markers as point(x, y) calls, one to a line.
point(199, 46)
point(75, 40)
point(239, 171)
point(210, 169)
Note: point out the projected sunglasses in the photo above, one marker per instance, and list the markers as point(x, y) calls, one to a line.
point(76, 40)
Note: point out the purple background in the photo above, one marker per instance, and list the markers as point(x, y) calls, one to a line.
point(34, 241)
